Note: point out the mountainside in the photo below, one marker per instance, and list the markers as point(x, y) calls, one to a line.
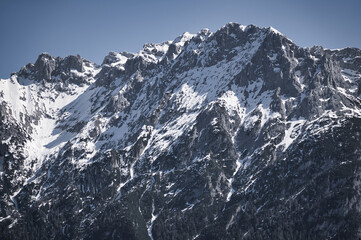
point(236, 134)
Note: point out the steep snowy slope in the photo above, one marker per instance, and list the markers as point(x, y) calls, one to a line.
point(237, 134)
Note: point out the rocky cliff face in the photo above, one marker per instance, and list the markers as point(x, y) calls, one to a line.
point(237, 134)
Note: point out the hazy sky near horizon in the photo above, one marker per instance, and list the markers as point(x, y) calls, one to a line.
point(93, 28)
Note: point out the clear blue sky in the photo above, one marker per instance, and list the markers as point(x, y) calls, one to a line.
point(93, 28)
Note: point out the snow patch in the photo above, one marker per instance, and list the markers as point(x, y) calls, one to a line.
point(291, 133)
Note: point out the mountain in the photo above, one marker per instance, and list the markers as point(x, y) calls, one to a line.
point(236, 134)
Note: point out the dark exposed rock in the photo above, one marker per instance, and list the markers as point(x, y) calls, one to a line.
point(44, 66)
point(73, 62)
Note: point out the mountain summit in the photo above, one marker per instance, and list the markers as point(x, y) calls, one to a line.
point(236, 134)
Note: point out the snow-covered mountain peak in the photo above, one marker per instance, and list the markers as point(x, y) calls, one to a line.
point(275, 31)
point(115, 59)
point(183, 38)
point(218, 135)
point(154, 51)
